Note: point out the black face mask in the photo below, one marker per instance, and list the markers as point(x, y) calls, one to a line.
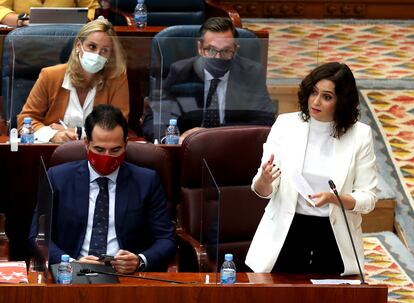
point(217, 67)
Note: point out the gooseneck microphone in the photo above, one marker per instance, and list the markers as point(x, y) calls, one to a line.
point(333, 187)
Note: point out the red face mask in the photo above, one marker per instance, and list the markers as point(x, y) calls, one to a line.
point(103, 164)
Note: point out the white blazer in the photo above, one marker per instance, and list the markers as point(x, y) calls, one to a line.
point(355, 174)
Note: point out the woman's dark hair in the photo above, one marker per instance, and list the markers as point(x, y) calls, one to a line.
point(347, 103)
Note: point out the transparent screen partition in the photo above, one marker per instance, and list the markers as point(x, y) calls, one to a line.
point(25, 52)
point(28, 51)
point(43, 217)
point(152, 126)
point(210, 218)
point(189, 66)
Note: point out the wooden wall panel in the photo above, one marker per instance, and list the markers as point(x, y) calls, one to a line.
point(328, 9)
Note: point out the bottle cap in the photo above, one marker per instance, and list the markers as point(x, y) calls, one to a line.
point(173, 121)
point(141, 1)
point(64, 258)
point(228, 257)
point(27, 120)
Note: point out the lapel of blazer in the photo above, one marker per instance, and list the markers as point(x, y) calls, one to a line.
point(294, 150)
point(82, 190)
point(342, 155)
point(233, 98)
point(121, 199)
point(199, 77)
point(298, 150)
point(61, 101)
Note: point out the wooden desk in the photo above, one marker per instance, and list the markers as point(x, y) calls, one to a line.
point(250, 287)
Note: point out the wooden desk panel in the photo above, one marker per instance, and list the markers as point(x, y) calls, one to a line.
point(323, 9)
point(19, 173)
point(250, 288)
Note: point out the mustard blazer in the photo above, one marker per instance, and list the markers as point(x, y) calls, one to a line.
point(48, 100)
point(355, 174)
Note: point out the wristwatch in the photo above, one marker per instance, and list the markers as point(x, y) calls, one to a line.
point(21, 18)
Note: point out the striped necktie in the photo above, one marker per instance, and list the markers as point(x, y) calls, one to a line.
point(100, 220)
point(211, 115)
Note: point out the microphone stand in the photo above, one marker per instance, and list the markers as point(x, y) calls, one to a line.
point(91, 271)
point(333, 187)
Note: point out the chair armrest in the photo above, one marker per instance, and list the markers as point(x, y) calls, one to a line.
point(193, 255)
point(173, 266)
point(222, 10)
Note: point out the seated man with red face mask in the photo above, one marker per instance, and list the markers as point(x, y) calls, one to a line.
point(105, 205)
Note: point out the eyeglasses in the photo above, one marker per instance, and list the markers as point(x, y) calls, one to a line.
point(224, 53)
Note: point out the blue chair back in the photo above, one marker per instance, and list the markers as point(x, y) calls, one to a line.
point(26, 51)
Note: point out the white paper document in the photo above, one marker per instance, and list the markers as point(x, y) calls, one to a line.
point(302, 186)
point(335, 281)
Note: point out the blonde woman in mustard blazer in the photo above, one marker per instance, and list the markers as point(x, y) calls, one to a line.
point(94, 74)
point(323, 141)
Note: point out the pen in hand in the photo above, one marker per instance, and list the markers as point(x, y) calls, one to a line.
point(63, 124)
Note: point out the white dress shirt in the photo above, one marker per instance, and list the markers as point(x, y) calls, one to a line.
point(317, 167)
point(112, 242)
point(75, 113)
point(221, 92)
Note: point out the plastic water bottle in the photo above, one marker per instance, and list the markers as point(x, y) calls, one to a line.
point(172, 134)
point(27, 132)
point(65, 270)
point(228, 270)
point(140, 14)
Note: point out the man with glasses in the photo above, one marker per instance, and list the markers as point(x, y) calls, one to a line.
point(218, 87)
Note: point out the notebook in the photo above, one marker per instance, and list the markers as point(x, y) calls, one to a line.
point(58, 15)
point(13, 272)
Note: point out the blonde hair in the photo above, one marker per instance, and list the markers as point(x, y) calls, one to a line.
point(114, 67)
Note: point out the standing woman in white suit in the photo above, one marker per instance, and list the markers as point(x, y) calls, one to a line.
point(321, 142)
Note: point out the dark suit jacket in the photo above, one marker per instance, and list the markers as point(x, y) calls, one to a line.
point(247, 100)
point(142, 221)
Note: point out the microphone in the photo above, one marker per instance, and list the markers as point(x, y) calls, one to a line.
point(333, 187)
point(87, 271)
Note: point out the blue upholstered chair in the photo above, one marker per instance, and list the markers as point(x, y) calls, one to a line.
point(168, 13)
point(26, 51)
